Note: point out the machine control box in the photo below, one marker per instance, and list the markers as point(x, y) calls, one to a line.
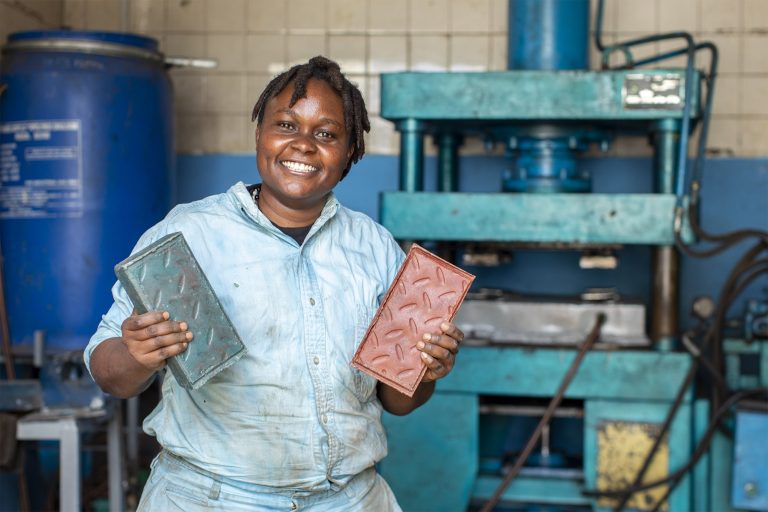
point(750, 461)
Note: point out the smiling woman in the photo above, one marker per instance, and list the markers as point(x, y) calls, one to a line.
point(291, 425)
point(302, 151)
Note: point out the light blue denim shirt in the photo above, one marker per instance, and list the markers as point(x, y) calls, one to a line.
point(292, 413)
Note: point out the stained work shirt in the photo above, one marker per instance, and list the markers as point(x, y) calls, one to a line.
point(292, 412)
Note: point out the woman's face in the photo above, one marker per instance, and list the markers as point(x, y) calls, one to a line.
point(302, 150)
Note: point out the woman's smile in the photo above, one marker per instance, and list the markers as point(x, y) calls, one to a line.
point(298, 166)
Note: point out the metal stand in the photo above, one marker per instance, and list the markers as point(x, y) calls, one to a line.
point(65, 428)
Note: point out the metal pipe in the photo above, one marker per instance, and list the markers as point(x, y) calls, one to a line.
point(530, 410)
point(664, 317)
point(38, 348)
point(666, 266)
point(687, 91)
point(599, 25)
point(132, 433)
point(411, 155)
point(447, 162)
point(665, 138)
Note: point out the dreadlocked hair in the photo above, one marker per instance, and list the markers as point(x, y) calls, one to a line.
point(321, 68)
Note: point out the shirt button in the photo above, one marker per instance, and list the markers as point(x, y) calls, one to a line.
point(316, 360)
point(312, 301)
point(324, 418)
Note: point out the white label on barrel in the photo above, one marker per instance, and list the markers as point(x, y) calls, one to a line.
point(41, 169)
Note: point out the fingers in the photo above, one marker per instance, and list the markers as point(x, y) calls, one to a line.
point(452, 331)
point(438, 351)
point(152, 338)
point(438, 346)
point(439, 355)
point(137, 322)
point(151, 325)
point(436, 368)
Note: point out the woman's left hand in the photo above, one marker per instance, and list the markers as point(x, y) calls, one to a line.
point(438, 351)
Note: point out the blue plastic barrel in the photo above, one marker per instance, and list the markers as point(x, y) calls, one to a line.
point(86, 159)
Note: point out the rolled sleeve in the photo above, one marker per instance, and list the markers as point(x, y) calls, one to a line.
point(110, 324)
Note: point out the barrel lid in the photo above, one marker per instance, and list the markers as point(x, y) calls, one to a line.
point(106, 43)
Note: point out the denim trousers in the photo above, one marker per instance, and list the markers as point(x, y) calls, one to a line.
point(176, 485)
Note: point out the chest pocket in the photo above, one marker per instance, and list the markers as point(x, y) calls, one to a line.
point(364, 386)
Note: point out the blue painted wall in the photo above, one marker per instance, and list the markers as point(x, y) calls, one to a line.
point(734, 195)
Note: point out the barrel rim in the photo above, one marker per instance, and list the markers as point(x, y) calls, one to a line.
point(100, 43)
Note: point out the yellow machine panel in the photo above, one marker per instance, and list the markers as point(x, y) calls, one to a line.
point(621, 449)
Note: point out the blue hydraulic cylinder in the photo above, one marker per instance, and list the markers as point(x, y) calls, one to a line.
point(547, 165)
point(548, 34)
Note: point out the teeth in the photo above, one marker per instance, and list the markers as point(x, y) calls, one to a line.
point(298, 167)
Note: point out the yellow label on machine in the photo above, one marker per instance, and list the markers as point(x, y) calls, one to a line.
point(621, 450)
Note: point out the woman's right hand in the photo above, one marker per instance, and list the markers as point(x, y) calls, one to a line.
point(152, 338)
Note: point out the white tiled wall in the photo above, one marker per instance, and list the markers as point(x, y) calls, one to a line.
point(29, 15)
point(255, 39)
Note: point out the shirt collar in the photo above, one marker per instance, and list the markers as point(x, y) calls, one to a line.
point(243, 199)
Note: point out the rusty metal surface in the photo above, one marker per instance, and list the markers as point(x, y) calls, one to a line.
point(166, 276)
point(621, 450)
point(426, 291)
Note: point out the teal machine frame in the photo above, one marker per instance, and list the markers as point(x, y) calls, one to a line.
point(616, 387)
point(452, 453)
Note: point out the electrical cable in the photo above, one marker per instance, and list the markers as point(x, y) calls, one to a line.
point(732, 287)
point(697, 354)
point(700, 450)
point(729, 292)
point(758, 268)
point(728, 239)
point(671, 413)
point(548, 413)
point(687, 88)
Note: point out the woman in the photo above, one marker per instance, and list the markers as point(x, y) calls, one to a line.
point(292, 425)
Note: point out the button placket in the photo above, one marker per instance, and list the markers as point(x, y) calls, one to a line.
point(315, 346)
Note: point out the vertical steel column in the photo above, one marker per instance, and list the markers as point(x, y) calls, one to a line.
point(115, 459)
point(411, 155)
point(447, 162)
point(666, 260)
point(447, 178)
point(69, 464)
point(132, 424)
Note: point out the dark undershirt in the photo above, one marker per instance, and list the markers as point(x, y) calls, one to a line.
point(298, 234)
